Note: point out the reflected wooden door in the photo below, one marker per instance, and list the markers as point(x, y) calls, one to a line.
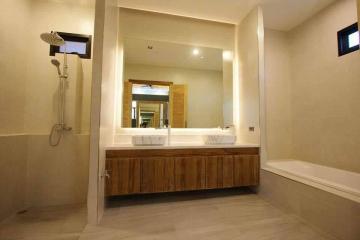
point(178, 102)
point(127, 101)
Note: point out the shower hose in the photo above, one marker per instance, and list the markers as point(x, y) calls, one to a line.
point(55, 135)
point(58, 128)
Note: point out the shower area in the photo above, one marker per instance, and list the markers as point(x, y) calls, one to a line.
point(54, 39)
point(45, 100)
point(312, 121)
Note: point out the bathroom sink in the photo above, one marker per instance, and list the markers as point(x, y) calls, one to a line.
point(148, 140)
point(219, 139)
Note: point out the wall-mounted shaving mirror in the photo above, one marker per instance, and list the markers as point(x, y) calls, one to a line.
point(181, 85)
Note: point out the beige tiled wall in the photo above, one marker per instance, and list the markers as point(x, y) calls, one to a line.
point(12, 174)
point(247, 79)
point(33, 174)
point(12, 105)
point(57, 175)
point(278, 95)
point(326, 87)
point(42, 80)
point(319, 90)
point(13, 75)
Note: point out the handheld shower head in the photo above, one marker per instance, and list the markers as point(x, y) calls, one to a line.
point(52, 38)
point(56, 63)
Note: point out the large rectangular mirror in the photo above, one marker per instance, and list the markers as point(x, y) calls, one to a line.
point(181, 85)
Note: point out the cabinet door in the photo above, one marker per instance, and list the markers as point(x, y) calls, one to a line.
point(124, 176)
point(246, 170)
point(189, 173)
point(227, 172)
point(213, 172)
point(219, 172)
point(157, 174)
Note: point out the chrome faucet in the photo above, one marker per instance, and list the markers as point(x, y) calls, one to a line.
point(168, 127)
point(169, 134)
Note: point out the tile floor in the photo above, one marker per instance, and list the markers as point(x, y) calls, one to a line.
point(210, 216)
point(53, 223)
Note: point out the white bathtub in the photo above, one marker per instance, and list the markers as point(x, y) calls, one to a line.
point(336, 181)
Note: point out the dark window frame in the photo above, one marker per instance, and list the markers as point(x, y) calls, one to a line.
point(74, 37)
point(343, 40)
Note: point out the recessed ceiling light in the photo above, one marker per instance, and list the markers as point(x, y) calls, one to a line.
point(195, 51)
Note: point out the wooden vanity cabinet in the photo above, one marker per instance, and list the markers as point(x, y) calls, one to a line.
point(170, 170)
point(246, 170)
point(190, 172)
point(123, 176)
point(220, 172)
point(157, 175)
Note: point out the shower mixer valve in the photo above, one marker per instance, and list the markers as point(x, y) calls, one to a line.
point(66, 128)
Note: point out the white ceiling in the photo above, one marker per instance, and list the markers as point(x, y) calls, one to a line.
point(278, 14)
point(168, 54)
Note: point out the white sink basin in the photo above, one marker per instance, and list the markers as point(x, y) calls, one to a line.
point(148, 140)
point(219, 139)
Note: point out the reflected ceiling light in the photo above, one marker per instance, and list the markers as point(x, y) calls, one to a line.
point(227, 55)
point(195, 51)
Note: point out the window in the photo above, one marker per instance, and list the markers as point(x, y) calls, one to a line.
point(348, 39)
point(75, 44)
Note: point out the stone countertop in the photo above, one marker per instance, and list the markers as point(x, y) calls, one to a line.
point(179, 146)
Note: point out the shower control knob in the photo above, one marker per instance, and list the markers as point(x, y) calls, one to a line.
point(67, 128)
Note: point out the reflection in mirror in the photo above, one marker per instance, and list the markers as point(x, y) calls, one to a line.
point(180, 85)
point(149, 105)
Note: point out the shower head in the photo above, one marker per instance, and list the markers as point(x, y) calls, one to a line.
point(56, 63)
point(52, 38)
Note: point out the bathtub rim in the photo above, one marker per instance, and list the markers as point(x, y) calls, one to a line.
point(311, 181)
